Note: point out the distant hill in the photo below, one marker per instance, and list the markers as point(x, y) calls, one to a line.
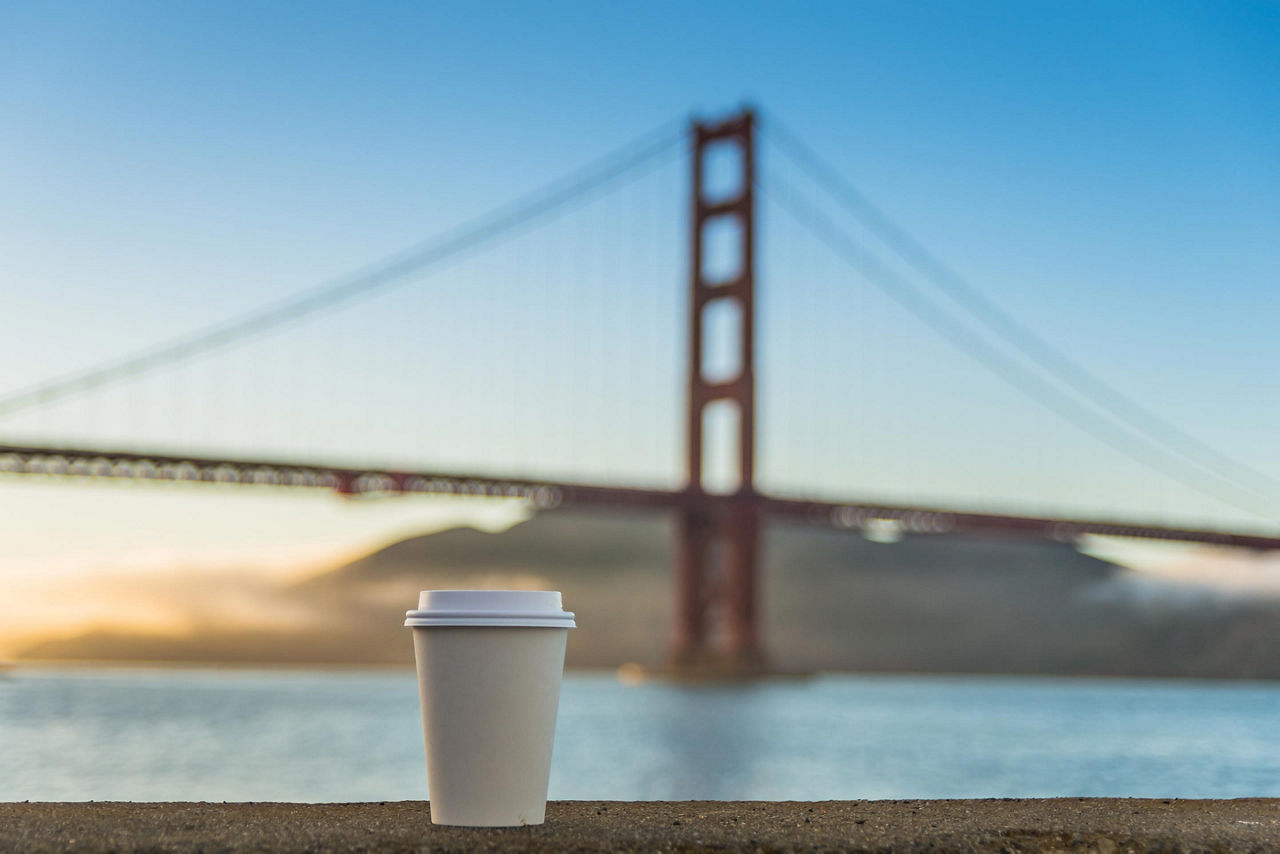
point(833, 600)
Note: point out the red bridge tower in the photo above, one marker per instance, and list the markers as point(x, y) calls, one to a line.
point(718, 533)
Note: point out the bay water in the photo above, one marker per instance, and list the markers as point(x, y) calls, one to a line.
point(71, 734)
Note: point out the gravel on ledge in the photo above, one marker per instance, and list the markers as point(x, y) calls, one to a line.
point(1060, 824)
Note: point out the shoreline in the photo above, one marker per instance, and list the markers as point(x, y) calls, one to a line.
point(11, 666)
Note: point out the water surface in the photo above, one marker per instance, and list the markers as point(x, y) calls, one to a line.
point(352, 736)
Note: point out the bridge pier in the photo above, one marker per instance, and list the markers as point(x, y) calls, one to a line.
point(715, 612)
point(741, 579)
point(694, 531)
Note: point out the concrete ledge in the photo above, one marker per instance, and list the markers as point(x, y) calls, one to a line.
point(1084, 824)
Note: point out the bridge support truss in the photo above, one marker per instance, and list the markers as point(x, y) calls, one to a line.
point(717, 534)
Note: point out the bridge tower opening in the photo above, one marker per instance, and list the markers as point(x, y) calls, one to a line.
point(717, 528)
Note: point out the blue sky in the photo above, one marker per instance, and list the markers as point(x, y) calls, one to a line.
point(1106, 172)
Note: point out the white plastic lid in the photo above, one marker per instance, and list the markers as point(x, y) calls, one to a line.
point(535, 608)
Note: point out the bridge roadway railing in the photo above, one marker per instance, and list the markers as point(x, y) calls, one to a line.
point(546, 494)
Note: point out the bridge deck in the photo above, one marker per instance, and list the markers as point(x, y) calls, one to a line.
point(545, 494)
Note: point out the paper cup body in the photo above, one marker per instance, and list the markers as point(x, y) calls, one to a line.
point(489, 697)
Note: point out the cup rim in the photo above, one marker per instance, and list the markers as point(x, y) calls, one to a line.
point(519, 608)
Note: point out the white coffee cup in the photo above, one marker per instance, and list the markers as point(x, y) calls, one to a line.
point(490, 664)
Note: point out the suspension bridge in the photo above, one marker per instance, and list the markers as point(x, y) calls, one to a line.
point(587, 362)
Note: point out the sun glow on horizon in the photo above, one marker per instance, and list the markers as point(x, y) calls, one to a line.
point(158, 559)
